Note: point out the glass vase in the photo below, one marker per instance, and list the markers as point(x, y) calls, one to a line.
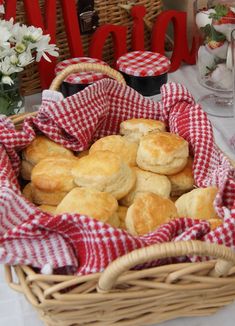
point(11, 100)
point(215, 20)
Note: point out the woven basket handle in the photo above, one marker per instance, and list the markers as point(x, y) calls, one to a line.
point(166, 250)
point(78, 67)
point(81, 67)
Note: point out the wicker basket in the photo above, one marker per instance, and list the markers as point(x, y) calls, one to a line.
point(109, 12)
point(121, 296)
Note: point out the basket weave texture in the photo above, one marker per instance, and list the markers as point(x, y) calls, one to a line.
point(125, 297)
point(138, 297)
point(110, 12)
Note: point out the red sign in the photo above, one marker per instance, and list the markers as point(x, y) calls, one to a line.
point(118, 33)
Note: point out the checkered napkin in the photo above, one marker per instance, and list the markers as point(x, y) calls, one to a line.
point(143, 64)
point(83, 77)
point(30, 236)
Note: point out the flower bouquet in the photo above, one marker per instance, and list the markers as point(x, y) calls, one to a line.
point(215, 53)
point(20, 45)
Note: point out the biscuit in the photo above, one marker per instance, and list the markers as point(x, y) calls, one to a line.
point(148, 212)
point(82, 153)
point(215, 223)
point(27, 192)
point(163, 153)
point(41, 197)
point(104, 171)
point(122, 210)
point(174, 198)
point(182, 181)
point(26, 170)
point(147, 182)
point(99, 205)
point(53, 174)
point(134, 129)
point(197, 203)
point(42, 147)
point(118, 145)
point(47, 209)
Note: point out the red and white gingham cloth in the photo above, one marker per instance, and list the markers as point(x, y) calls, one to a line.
point(30, 236)
point(81, 77)
point(143, 64)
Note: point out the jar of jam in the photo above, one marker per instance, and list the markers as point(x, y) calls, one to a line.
point(144, 71)
point(78, 81)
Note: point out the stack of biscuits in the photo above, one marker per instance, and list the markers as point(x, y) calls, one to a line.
point(137, 180)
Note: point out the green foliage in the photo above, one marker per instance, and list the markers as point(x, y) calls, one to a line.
point(4, 105)
point(211, 34)
point(220, 11)
point(10, 99)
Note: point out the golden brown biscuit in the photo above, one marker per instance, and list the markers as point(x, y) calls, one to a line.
point(82, 154)
point(197, 203)
point(147, 182)
point(182, 181)
point(104, 171)
point(26, 170)
point(47, 209)
point(215, 223)
point(148, 212)
point(99, 205)
point(41, 197)
point(53, 174)
point(114, 220)
point(122, 210)
point(174, 198)
point(118, 145)
point(42, 147)
point(27, 192)
point(163, 153)
point(134, 129)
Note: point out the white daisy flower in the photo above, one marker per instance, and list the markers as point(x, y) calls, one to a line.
point(44, 49)
point(20, 45)
point(33, 34)
point(7, 80)
point(5, 35)
point(25, 59)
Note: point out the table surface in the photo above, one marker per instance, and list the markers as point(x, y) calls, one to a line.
point(15, 310)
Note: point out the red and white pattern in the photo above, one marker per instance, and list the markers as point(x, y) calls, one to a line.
point(81, 77)
point(143, 64)
point(29, 236)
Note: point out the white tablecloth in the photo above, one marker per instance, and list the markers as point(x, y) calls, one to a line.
point(14, 309)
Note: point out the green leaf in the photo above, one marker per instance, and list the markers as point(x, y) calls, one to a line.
point(206, 30)
point(220, 11)
point(217, 36)
point(210, 34)
point(4, 105)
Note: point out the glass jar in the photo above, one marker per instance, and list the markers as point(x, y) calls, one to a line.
point(11, 100)
point(76, 82)
point(215, 21)
point(144, 71)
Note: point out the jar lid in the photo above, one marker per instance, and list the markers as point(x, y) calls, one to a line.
point(81, 77)
point(143, 63)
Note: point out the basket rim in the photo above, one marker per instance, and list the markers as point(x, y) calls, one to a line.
point(121, 267)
